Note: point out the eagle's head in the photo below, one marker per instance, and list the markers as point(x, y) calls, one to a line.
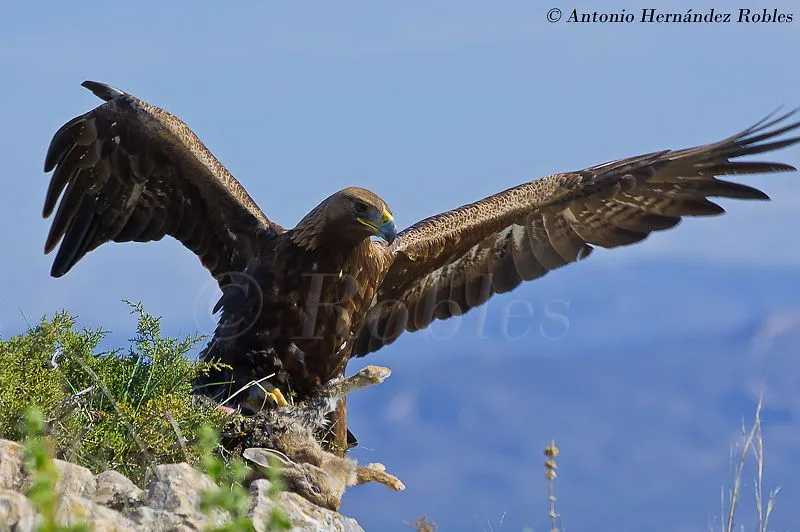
point(364, 212)
point(350, 215)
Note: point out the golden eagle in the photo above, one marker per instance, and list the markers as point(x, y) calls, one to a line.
point(298, 303)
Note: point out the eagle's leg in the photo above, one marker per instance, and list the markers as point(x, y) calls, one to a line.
point(339, 444)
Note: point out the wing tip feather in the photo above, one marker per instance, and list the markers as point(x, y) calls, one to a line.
point(57, 271)
point(61, 143)
point(103, 91)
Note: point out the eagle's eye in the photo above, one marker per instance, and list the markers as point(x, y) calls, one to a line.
point(360, 207)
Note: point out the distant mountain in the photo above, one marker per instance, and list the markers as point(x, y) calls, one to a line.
point(645, 394)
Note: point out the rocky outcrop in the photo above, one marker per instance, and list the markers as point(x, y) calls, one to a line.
point(284, 438)
point(111, 502)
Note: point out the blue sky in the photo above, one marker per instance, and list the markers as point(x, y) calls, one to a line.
point(431, 106)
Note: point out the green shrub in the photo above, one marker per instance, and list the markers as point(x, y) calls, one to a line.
point(124, 409)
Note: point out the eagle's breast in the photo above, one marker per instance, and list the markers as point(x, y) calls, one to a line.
point(312, 306)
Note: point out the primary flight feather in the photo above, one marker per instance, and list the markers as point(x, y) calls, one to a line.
point(298, 303)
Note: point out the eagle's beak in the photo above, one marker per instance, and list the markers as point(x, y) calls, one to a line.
point(383, 227)
point(387, 229)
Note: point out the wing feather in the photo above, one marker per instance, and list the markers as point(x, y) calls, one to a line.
point(448, 263)
point(130, 171)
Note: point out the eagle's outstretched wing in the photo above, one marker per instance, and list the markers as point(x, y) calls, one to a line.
point(452, 262)
point(134, 172)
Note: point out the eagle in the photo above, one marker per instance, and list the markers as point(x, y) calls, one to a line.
point(298, 303)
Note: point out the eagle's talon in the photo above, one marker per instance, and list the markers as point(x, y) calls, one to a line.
point(277, 396)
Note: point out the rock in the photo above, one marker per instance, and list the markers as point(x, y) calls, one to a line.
point(74, 479)
point(303, 515)
point(156, 520)
point(115, 490)
point(11, 455)
point(111, 502)
point(74, 509)
point(16, 511)
point(178, 489)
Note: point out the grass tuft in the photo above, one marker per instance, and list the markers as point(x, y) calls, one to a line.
point(752, 445)
point(550, 466)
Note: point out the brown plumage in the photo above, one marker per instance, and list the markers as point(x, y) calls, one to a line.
point(298, 303)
